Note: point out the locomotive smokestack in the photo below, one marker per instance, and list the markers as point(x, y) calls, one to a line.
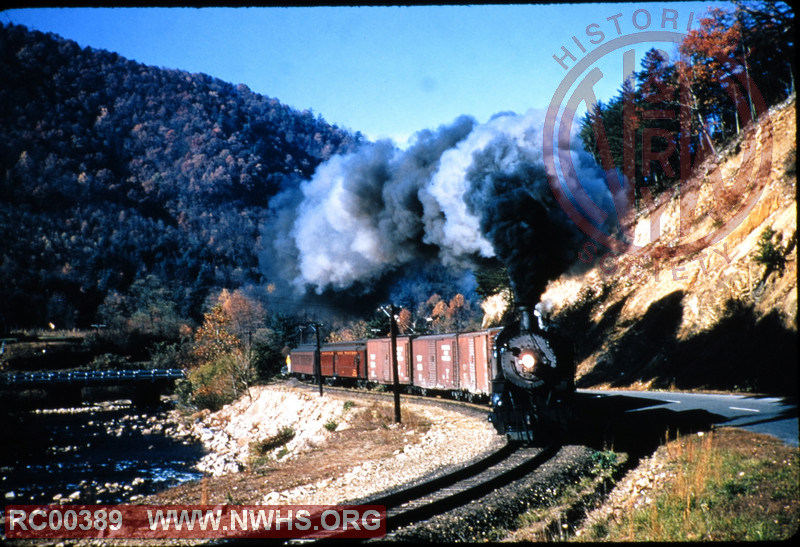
point(524, 318)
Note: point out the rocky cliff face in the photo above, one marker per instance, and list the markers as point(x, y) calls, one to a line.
point(717, 318)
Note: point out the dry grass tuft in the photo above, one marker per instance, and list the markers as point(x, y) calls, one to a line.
point(728, 485)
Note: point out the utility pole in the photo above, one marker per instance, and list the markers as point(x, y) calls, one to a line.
point(317, 353)
point(392, 313)
point(318, 358)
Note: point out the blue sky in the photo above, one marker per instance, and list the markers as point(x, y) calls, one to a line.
point(384, 71)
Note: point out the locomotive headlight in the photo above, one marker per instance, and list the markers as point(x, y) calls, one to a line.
point(527, 360)
point(525, 363)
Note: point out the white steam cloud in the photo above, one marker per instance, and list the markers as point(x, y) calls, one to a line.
point(464, 191)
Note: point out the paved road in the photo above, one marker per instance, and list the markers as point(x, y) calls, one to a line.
point(771, 415)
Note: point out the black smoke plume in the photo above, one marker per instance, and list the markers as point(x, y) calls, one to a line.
point(457, 194)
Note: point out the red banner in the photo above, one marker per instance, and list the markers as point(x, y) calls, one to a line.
point(195, 521)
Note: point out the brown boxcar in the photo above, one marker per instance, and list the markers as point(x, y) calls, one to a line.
point(379, 360)
point(327, 358)
point(347, 359)
point(302, 360)
point(339, 360)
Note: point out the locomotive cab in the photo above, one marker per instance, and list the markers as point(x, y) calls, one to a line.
point(533, 381)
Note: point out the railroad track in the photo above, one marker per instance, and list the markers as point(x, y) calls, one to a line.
point(420, 502)
point(423, 501)
point(426, 500)
point(432, 496)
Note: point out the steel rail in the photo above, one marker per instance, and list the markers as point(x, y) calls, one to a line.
point(427, 500)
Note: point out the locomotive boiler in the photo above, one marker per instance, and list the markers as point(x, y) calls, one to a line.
point(533, 380)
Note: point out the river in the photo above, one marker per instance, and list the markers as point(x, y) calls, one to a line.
point(104, 453)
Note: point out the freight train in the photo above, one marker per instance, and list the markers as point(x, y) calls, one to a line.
point(524, 371)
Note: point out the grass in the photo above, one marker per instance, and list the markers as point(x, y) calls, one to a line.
point(551, 517)
point(727, 485)
point(378, 415)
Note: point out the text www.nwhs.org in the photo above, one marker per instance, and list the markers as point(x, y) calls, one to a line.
point(261, 519)
point(149, 521)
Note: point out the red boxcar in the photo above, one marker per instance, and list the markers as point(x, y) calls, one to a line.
point(447, 362)
point(340, 360)
point(347, 360)
point(474, 361)
point(433, 361)
point(459, 362)
point(379, 359)
point(302, 360)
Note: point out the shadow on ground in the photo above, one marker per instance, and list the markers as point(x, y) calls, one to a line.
point(626, 423)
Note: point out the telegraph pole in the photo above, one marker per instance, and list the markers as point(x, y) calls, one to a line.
point(396, 380)
point(317, 352)
point(318, 358)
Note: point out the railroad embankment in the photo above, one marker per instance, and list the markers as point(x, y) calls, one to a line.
point(286, 444)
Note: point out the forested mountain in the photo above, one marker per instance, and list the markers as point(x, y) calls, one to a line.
point(112, 172)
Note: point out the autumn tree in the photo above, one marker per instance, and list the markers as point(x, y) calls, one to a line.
point(676, 112)
point(218, 376)
point(404, 321)
point(444, 316)
point(736, 55)
point(262, 336)
point(351, 332)
point(707, 71)
point(458, 312)
point(434, 311)
point(247, 321)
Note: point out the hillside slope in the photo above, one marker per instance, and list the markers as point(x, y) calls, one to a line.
point(114, 173)
point(714, 320)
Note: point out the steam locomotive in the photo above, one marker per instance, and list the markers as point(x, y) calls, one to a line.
point(526, 372)
point(534, 380)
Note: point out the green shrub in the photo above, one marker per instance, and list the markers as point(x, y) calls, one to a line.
point(770, 252)
point(184, 391)
point(790, 164)
point(211, 385)
point(603, 461)
point(263, 446)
